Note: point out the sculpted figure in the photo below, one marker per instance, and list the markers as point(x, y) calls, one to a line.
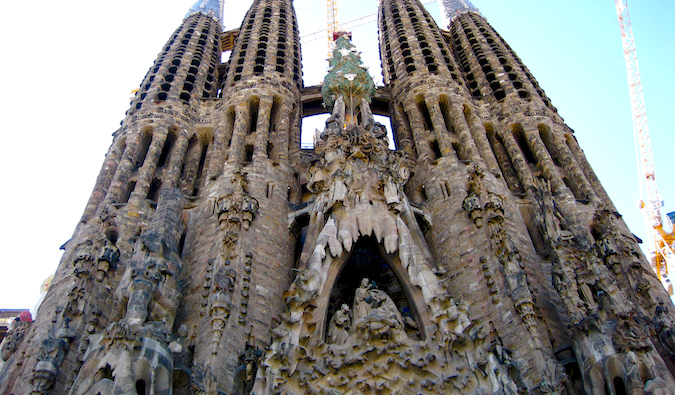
point(361, 307)
point(663, 326)
point(107, 260)
point(84, 252)
point(472, 206)
point(14, 338)
point(221, 304)
point(372, 302)
point(332, 127)
point(338, 329)
point(379, 131)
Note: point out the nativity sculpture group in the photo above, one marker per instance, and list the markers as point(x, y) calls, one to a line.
point(375, 313)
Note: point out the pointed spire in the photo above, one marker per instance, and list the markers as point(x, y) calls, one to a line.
point(452, 8)
point(212, 8)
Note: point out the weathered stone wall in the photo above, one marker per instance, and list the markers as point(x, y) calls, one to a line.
point(499, 238)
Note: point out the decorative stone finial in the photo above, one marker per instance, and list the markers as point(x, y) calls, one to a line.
point(346, 76)
point(452, 8)
point(213, 8)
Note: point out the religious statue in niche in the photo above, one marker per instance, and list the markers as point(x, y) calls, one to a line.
point(338, 329)
point(375, 313)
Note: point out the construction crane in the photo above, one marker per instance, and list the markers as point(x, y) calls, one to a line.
point(660, 227)
point(333, 26)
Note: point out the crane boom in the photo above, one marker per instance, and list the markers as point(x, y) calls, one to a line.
point(331, 20)
point(332, 16)
point(660, 228)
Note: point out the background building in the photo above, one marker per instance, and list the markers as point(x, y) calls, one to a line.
point(215, 254)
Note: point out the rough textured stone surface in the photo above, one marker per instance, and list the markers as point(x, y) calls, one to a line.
point(217, 256)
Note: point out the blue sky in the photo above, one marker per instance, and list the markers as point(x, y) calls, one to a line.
point(69, 67)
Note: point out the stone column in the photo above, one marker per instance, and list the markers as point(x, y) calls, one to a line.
point(541, 153)
point(573, 168)
point(104, 179)
point(403, 133)
point(464, 132)
point(424, 151)
point(439, 126)
point(176, 161)
point(223, 134)
point(263, 127)
point(147, 171)
point(191, 167)
point(241, 125)
point(283, 131)
point(480, 138)
point(119, 181)
point(518, 161)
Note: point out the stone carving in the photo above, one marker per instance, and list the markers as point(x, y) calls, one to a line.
point(203, 380)
point(473, 207)
point(246, 371)
point(84, 257)
point(153, 264)
point(492, 286)
point(138, 349)
point(340, 325)
point(631, 334)
point(606, 243)
point(150, 280)
point(452, 320)
point(236, 209)
point(358, 186)
point(583, 275)
point(221, 303)
point(50, 356)
point(662, 325)
point(95, 255)
point(124, 356)
point(375, 314)
point(550, 221)
point(14, 338)
point(517, 283)
point(208, 281)
point(245, 288)
point(107, 259)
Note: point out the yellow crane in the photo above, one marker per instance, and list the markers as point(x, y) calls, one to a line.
point(333, 25)
point(660, 227)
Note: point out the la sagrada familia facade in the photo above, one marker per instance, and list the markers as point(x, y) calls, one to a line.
point(217, 256)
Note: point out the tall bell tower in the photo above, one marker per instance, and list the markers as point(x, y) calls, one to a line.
point(218, 256)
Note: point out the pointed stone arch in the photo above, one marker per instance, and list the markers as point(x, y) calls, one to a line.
point(407, 296)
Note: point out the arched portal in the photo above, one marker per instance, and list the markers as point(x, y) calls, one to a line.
point(366, 261)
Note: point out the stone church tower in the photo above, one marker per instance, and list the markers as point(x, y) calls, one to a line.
point(215, 256)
